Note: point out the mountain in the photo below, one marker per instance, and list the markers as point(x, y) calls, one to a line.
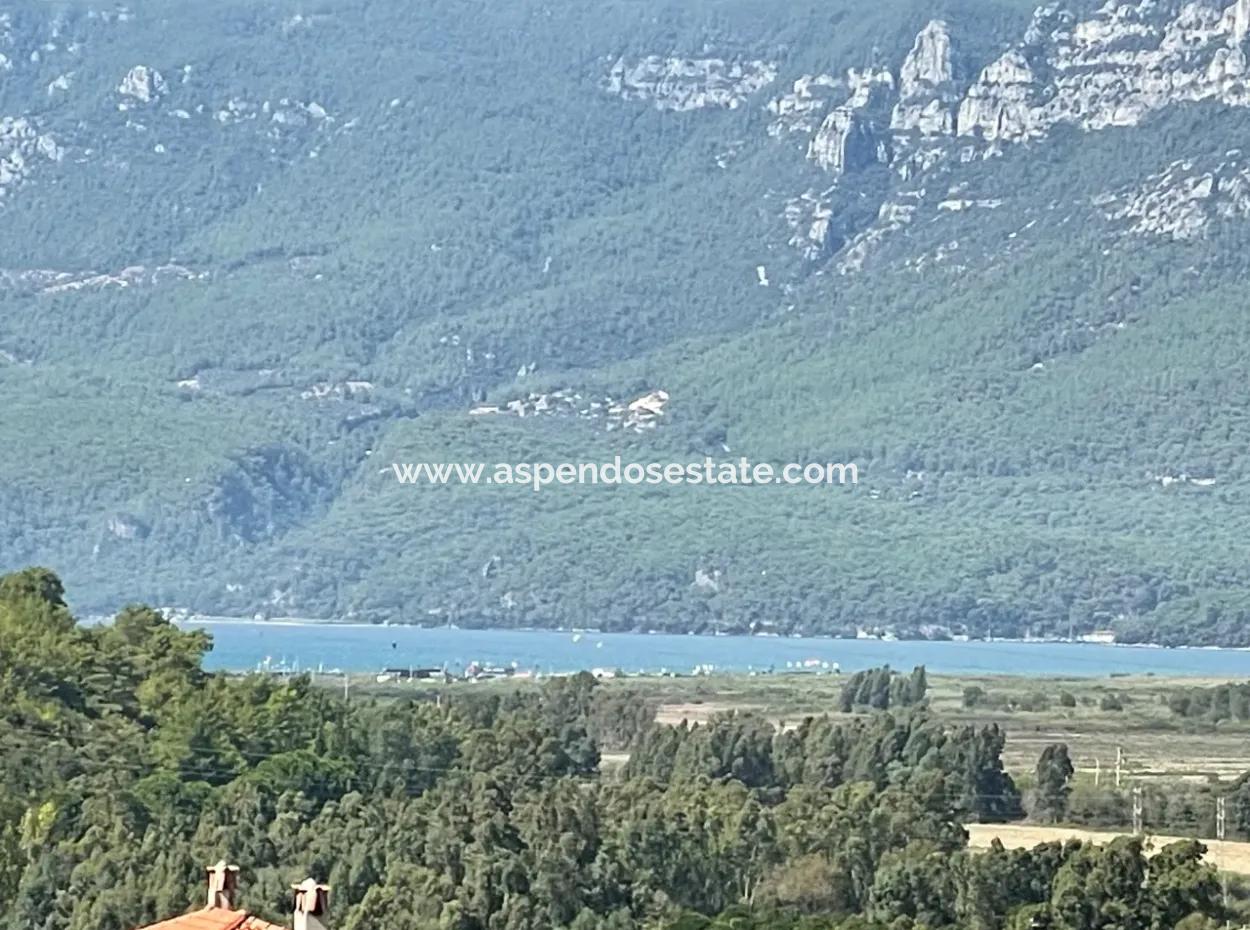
point(256, 252)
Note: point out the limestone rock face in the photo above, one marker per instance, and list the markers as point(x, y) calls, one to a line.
point(1237, 21)
point(928, 65)
point(844, 143)
point(6, 41)
point(926, 90)
point(23, 148)
point(868, 87)
point(1128, 60)
point(142, 83)
point(809, 217)
point(1183, 200)
point(688, 83)
point(1095, 70)
point(1003, 102)
point(847, 139)
point(1111, 68)
point(799, 110)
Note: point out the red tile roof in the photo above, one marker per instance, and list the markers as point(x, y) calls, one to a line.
point(215, 918)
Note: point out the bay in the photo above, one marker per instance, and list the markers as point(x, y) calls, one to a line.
point(244, 645)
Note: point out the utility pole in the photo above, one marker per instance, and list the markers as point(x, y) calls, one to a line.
point(1119, 761)
point(1097, 772)
point(347, 683)
point(1137, 810)
point(1221, 823)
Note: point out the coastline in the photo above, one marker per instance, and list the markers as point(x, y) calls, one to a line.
point(312, 623)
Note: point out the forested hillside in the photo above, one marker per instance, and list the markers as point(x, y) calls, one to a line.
point(125, 768)
point(255, 251)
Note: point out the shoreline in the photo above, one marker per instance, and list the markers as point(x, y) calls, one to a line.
point(201, 620)
point(241, 645)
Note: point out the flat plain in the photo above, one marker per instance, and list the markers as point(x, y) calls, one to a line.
point(1152, 742)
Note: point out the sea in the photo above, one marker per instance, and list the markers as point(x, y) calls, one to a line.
point(245, 645)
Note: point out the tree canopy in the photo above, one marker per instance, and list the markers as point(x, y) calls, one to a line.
point(125, 768)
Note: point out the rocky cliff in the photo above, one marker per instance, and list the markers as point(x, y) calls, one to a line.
point(1110, 68)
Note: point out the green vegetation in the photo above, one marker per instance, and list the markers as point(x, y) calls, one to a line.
point(478, 206)
point(1054, 772)
point(1220, 702)
point(880, 688)
point(124, 768)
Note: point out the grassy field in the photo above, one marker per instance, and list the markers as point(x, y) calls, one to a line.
point(1153, 742)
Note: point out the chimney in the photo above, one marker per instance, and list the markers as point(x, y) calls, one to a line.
point(223, 883)
point(311, 905)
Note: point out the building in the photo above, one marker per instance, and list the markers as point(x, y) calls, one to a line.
point(310, 904)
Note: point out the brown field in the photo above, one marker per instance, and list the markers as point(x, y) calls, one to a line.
point(1225, 855)
point(673, 714)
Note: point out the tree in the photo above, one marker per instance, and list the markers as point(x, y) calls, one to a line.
point(37, 584)
point(1182, 886)
point(1053, 776)
point(1102, 888)
point(38, 595)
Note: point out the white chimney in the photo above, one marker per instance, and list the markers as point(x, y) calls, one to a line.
point(223, 882)
point(311, 905)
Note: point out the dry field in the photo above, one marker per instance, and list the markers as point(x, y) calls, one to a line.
point(673, 714)
point(1225, 855)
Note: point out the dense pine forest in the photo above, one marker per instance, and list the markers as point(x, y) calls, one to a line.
point(125, 768)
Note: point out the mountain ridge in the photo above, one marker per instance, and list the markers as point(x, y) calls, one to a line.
point(366, 227)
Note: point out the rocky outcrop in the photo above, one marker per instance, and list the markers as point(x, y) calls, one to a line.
point(799, 110)
point(1181, 201)
point(6, 41)
point(143, 84)
point(22, 149)
point(1110, 68)
point(688, 84)
point(846, 142)
point(50, 281)
point(848, 139)
point(927, 66)
point(893, 216)
point(639, 415)
point(927, 95)
point(1114, 68)
point(127, 526)
point(1003, 102)
point(809, 216)
point(339, 390)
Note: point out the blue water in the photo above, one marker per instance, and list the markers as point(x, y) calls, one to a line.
point(243, 645)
